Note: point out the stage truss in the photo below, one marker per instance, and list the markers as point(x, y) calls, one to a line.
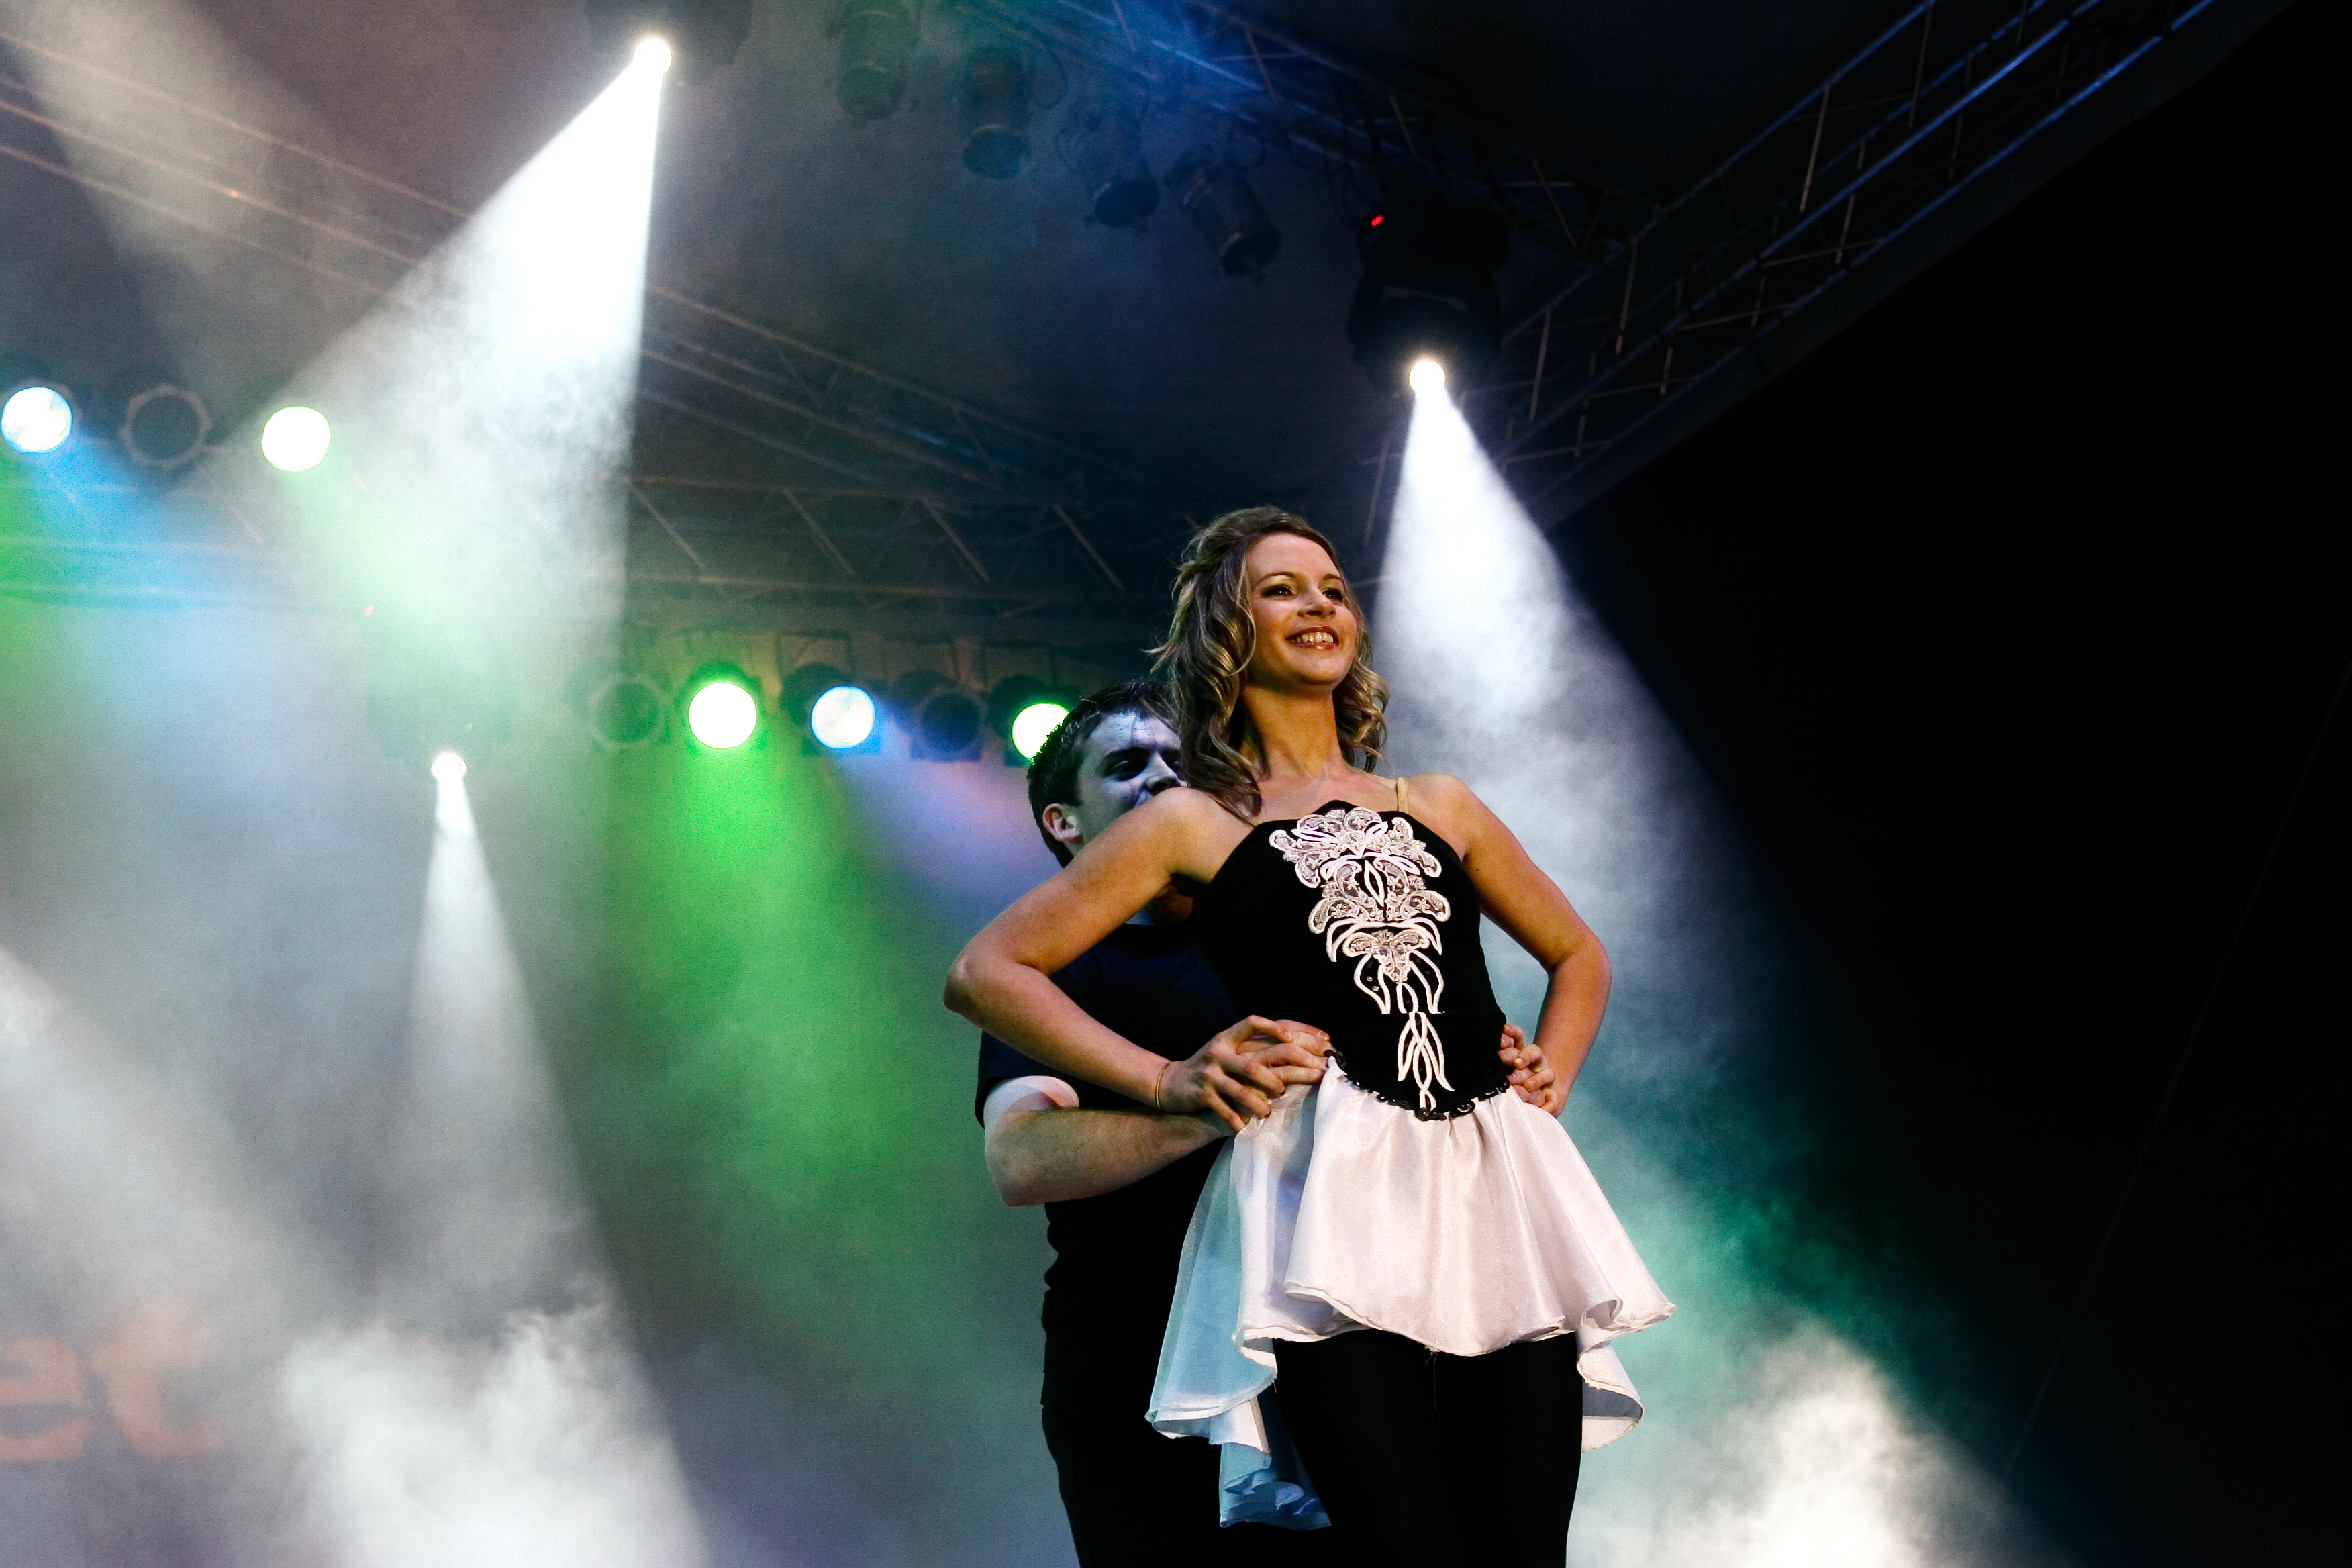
point(846, 491)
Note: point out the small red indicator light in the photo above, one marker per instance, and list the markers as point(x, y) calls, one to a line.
point(1378, 220)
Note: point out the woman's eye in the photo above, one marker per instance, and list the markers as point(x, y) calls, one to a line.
point(1277, 591)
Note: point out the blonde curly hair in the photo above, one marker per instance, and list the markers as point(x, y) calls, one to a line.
point(1205, 662)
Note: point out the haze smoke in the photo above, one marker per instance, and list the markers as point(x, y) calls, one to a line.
point(1770, 1441)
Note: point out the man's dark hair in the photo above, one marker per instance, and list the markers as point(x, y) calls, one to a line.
point(1054, 774)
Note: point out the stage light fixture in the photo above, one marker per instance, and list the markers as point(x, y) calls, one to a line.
point(448, 767)
point(628, 713)
point(1427, 376)
point(722, 706)
point(876, 38)
point(1101, 141)
point(1024, 711)
point(296, 439)
point(165, 426)
point(992, 111)
point(942, 719)
point(835, 711)
point(654, 54)
point(842, 718)
point(699, 35)
point(1428, 289)
point(37, 418)
point(1034, 725)
point(1214, 190)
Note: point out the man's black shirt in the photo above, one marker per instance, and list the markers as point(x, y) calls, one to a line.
point(1115, 1254)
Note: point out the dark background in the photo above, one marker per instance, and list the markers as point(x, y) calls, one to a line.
point(2005, 624)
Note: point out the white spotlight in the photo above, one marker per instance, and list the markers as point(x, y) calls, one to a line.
point(296, 439)
point(448, 767)
point(654, 55)
point(1428, 376)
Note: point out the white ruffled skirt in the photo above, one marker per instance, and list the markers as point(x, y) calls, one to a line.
point(1340, 1212)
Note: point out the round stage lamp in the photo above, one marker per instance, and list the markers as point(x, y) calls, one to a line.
point(448, 767)
point(1215, 191)
point(165, 426)
point(654, 55)
point(36, 419)
point(627, 712)
point(1427, 376)
point(841, 718)
point(296, 439)
point(876, 37)
point(722, 714)
point(1034, 725)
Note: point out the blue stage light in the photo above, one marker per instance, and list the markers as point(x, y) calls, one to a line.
point(37, 418)
point(841, 717)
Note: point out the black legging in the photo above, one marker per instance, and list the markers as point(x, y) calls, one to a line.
point(1438, 1461)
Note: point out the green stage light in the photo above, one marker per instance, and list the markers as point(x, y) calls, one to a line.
point(1034, 725)
point(296, 439)
point(722, 715)
point(722, 707)
point(1025, 711)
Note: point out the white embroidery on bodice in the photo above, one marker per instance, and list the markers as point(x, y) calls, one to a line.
point(1376, 909)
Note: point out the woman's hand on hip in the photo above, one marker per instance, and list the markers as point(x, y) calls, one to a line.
point(1532, 1079)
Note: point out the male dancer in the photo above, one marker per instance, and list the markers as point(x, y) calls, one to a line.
point(1119, 1180)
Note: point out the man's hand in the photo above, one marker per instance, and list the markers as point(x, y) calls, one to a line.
point(1532, 1079)
point(1243, 1069)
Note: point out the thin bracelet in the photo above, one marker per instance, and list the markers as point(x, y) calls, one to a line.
point(1159, 1088)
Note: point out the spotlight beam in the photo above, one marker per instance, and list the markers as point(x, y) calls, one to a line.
point(1554, 730)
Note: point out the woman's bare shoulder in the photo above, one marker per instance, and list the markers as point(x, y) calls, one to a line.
point(1449, 805)
point(1443, 792)
point(1194, 831)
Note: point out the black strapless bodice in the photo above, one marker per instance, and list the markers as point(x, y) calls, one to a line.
point(1363, 924)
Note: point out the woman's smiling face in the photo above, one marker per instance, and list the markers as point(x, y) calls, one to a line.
point(1306, 616)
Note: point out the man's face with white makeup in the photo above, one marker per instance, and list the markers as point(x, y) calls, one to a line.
point(1130, 757)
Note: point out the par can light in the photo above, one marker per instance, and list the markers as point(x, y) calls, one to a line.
point(1034, 725)
point(992, 111)
point(942, 719)
point(1026, 711)
point(838, 713)
point(654, 55)
point(448, 767)
point(722, 706)
point(36, 419)
point(876, 37)
point(1215, 191)
point(165, 426)
point(842, 718)
point(1428, 376)
point(296, 439)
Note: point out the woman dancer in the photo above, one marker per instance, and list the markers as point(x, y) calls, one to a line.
point(1423, 1257)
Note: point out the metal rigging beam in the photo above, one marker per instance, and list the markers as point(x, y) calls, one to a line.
point(1805, 225)
point(819, 423)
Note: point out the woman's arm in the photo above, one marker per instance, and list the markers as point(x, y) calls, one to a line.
point(1002, 980)
point(1530, 908)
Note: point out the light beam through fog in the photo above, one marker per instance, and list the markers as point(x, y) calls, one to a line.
point(491, 1415)
point(1770, 1442)
point(484, 413)
point(472, 1399)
